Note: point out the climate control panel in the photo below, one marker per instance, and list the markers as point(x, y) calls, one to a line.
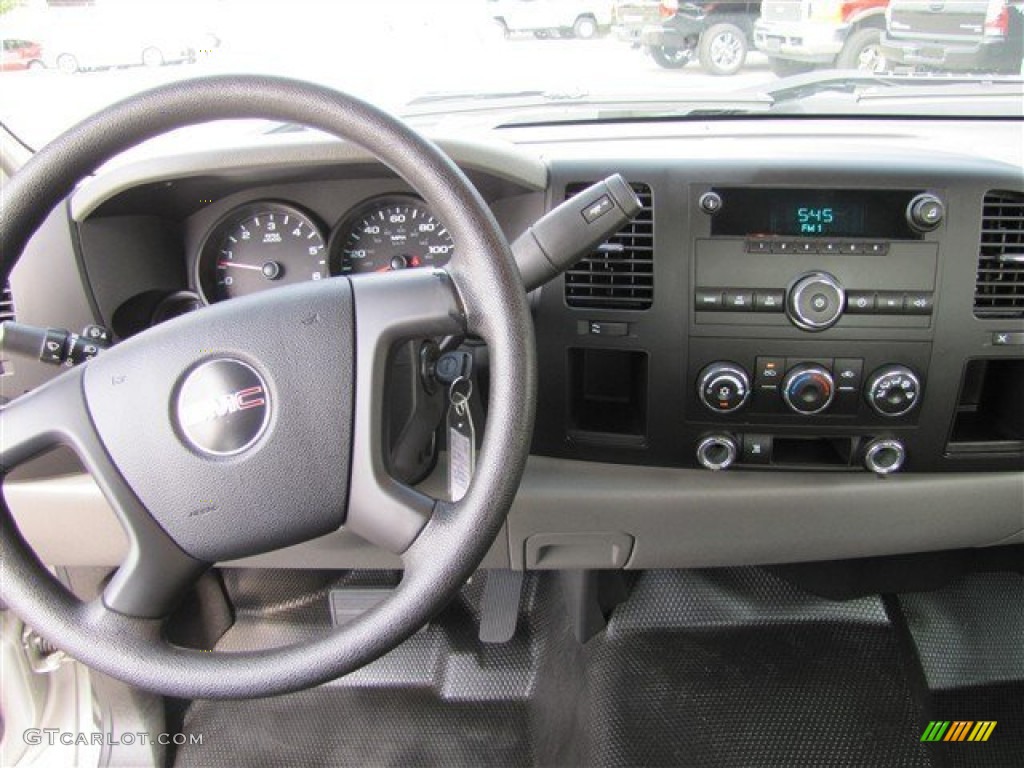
point(819, 387)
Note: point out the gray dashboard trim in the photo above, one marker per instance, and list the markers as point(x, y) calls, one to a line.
point(677, 517)
point(497, 158)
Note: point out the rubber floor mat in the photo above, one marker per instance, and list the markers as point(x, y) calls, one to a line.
point(748, 671)
point(725, 667)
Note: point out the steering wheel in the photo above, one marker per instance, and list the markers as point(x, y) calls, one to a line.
point(256, 423)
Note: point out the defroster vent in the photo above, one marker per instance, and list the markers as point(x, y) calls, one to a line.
point(1000, 286)
point(619, 274)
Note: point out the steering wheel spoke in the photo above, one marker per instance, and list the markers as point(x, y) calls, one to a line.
point(156, 571)
point(389, 309)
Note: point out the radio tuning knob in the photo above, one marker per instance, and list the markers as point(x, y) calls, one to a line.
point(925, 212)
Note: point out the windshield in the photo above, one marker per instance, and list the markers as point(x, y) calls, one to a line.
point(507, 62)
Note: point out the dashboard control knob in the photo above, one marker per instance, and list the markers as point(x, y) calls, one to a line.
point(717, 452)
point(710, 203)
point(724, 387)
point(808, 389)
point(884, 456)
point(893, 390)
point(925, 212)
point(815, 301)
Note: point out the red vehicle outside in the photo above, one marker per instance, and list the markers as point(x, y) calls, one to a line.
point(20, 54)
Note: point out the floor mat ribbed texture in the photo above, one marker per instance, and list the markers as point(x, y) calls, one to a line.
point(729, 667)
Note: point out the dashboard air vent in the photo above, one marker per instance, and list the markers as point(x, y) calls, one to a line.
point(6, 304)
point(1000, 287)
point(619, 273)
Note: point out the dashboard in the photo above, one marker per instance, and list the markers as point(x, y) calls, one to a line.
point(809, 343)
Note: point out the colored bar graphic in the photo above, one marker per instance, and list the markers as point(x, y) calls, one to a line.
point(958, 730)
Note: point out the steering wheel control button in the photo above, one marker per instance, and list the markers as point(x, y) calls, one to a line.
point(883, 457)
point(717, 452)
point(893, 390)
point(724, 387)
point(757, 449)
point(808, 389)
point(816, 302)
point(769, 301)
point(223, 407)
point(925, 212)
point(739, 300)
point(710, 203)
point(860, 302)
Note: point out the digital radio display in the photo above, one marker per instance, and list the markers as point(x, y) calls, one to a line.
point(752, 212)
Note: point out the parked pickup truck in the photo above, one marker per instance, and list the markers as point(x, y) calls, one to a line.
point(800, 35)
point(717, 33)
point(553, 18)
point(961, 36)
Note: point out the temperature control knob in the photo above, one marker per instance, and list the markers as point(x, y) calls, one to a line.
point(808, 389)
point(893, 390)
point(724, 387)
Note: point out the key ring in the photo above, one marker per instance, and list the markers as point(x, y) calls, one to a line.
point(458, 397)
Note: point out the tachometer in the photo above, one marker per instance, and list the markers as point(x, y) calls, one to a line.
point(390, 233)
point(259, 246)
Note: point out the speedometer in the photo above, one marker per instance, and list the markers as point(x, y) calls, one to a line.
point(258, 246)
point(390, 233)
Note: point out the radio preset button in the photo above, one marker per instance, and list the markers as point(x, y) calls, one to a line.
point(759, 245)
point(876, 249)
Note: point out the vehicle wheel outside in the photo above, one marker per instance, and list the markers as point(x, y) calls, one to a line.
point(722, 49)
point(788, 67)
point(541, 34)
point(862, 51)
point(36, 64)
point(152, 57)
point(67, 63)
point(502, 28)
point(670, 57)
point(585, 27)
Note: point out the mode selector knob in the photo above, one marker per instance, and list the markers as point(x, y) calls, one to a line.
point(815, 301)
point(893, 390)
point(808, 389)
point(724, 387)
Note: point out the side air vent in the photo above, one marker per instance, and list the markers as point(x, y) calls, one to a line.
point(1000, 287)
point(619, 274)
point(6, 304)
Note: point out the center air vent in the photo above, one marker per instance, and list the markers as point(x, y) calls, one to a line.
point(619, 273)
point(1000, 287)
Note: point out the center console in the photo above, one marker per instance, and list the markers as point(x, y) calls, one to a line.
point(750, 325)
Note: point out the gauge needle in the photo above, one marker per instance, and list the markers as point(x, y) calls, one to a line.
point(238, 265)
